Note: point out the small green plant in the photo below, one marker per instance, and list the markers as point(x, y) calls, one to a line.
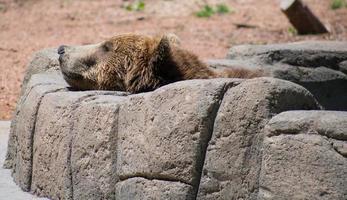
point(128, 7)
point(140, 6)
point(208, 11)
point(222, 9)
point(136, 6)
point(337, 4)
point(292, 31)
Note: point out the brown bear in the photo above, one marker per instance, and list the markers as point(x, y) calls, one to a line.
point(135, 63)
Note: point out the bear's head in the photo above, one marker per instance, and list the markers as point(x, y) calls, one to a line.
point(133, 63)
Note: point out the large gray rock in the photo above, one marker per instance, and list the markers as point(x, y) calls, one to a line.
point(54, 140)
point(305, 156)
point(318, 66)
point(43, 61)
point(163, 135)
point(197, 139)
point(52, 149)
point(77, 147)
point(94, 146)
point(233, 157)
point(19, 155)
point(310, 54)
point(76, 154)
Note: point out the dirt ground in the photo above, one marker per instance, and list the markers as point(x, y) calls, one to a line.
point(27, 26)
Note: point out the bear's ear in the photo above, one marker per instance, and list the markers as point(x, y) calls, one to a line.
point(146, 77)
point(173, 39)
point(161, 54)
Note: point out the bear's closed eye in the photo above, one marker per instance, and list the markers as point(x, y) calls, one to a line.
point(89, 62)
point(107, 46)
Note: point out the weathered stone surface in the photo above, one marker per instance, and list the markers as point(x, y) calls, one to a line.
point(45, 60)
point(331, 124)
point(93, 150)
point(310, 54)
point(318, 66)
point(327, 85)
point(8, 188)
point(233, 157)
point(220, 64)
point(343, 66)
point(142, 189)
point(305, 156)
point(59, 157)
point(52, 144)
point(19, 155)
point(162, 135)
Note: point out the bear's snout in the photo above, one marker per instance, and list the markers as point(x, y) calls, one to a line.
point(61, 49)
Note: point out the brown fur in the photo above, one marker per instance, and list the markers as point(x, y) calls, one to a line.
point(136, 63)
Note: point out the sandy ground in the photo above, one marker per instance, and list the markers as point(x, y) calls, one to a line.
point(27, 26)
point(8, 189)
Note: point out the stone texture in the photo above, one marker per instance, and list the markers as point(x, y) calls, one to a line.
point(42, 61)
point(34, 87)
point(306, 54)
point(305, 156)
point(51, 173)
point(8, 188)
point(61, 161)
point(331, 124)
point(327, 85)
point(163, 135)
point(19, 155)
point(318, 66)
point(343, 67)
point(93, 150)
point(143, 189)
point(233, 157)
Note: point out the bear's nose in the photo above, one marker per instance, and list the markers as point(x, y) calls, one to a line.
point(61, 49)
